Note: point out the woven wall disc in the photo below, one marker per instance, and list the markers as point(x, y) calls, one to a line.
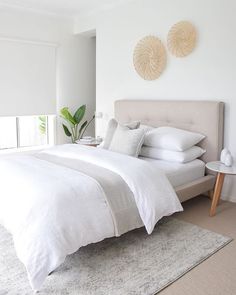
point(181, 39)
point(149, 58)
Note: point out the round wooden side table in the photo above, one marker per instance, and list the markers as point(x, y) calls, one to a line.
point(221, 170)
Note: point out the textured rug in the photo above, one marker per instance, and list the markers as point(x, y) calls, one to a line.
point(133, 264)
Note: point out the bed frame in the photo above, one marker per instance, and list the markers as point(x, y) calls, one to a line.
point(206, 117)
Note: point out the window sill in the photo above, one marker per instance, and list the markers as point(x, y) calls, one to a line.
point(26, 150)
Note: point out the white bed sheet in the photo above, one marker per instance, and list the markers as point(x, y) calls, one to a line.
point(53, 208)
point(180, 173)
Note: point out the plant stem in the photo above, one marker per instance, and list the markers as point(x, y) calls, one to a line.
point(72, 135)
point(76, 132)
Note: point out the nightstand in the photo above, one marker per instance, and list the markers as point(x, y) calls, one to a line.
point(92, 143)
point(221, 170)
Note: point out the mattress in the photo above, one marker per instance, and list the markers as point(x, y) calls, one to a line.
point(180, 173)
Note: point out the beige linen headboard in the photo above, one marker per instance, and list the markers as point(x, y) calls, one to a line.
point(206, 117)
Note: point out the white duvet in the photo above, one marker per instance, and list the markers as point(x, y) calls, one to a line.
point(52, 210)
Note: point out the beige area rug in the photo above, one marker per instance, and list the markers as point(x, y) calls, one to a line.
point(133, 264)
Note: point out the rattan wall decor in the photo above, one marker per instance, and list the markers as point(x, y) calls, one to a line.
point(181, 39)
point(149, 58)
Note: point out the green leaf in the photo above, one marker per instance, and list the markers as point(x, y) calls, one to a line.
point(66, 130)
point(79, 114)
point(42, 118)
point(65, 114)
point(42, 129)
point(83, 126)
point(42, 124)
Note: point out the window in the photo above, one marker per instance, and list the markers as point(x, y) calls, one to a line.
point(26, 131)
point(32, 131)
point(8, 136)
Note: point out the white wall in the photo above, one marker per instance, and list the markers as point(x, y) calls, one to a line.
point(76, 78)
point(75, 56)
point(208, 73)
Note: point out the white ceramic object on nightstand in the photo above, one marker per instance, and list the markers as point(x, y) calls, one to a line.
point(228, 160)
point(223, 155)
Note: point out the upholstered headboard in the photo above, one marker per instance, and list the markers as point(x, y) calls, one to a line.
point(206, 117)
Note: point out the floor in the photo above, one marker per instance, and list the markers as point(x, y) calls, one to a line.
point(216, 275)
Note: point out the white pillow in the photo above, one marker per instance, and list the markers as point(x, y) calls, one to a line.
point(146, 127)
point(170, 138)
point(172, 156)
point(111, 128)
point(127, 141)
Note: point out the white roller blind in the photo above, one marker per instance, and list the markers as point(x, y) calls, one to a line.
point(27, 78)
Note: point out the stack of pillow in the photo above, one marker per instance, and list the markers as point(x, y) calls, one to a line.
point(163, 143)
point(172, 144)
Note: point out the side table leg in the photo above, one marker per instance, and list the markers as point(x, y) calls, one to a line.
point(210, 194)
point(217, 193)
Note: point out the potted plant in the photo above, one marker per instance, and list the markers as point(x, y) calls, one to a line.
point(75, 128)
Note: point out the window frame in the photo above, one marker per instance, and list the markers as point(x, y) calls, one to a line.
point(50, 135)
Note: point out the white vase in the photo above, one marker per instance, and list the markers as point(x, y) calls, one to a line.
point(223, 155)
point(228, 160)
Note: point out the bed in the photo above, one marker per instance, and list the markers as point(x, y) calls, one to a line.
point(69, 196)
point(206, 117)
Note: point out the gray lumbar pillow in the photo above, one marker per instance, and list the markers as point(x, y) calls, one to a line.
point(111, 128)
point(127, 141)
